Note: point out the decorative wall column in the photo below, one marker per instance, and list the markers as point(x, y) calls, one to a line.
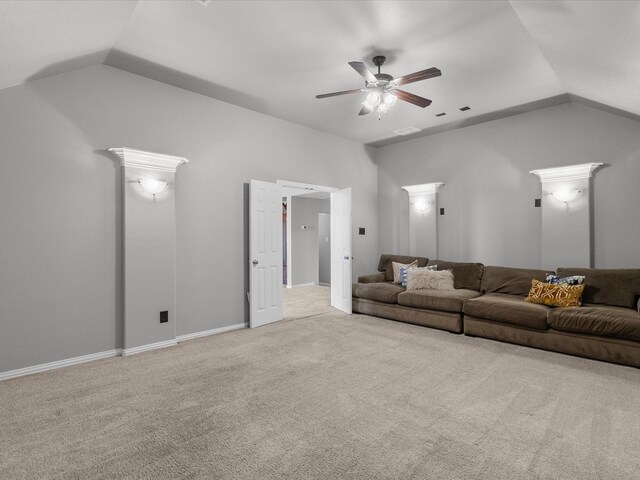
point(567, 215)
point(149, 228)
point(423, 216)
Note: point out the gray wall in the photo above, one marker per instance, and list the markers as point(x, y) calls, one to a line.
point(489, 195)
point(324, 247)
point(61, 236)
point(304, 243)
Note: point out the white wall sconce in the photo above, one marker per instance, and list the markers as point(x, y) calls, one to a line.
point(566, 215)
point(152, 186)
point(566, 195)
point(422, 206)
point(423, 202)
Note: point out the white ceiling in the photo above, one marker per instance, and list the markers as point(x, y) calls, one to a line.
point(275, 56)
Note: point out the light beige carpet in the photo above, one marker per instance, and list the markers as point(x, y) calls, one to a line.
point(302, 302)
point(330, 396)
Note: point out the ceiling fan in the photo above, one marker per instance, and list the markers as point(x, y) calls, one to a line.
point(383, 89)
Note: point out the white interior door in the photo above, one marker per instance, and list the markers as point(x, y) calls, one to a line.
point(341, 250)
point(265, 253)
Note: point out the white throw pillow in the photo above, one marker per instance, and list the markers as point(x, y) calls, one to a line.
point(429, 279)
point(403, 273)
point(396, 269)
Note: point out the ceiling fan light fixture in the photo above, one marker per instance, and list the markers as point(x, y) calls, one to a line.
point(373, 99)
point(389, 99)
point(381, 88)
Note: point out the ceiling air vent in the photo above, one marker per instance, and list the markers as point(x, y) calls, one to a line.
point(464, 109)
point(406, 131)
point(441, 114)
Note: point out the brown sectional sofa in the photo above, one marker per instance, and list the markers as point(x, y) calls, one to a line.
point(489, 302)
point(377, 294)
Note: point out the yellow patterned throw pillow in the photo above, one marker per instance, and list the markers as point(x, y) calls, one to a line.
point(555, 295)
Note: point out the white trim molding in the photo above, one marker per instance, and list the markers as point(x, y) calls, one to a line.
point(43, 367)
point(568, 172)
point(114, 353)
point(130, 157)
point(213, 331)
point(149, 346)
point(424, 189)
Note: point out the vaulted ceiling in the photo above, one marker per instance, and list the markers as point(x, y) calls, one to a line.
point(275, 56)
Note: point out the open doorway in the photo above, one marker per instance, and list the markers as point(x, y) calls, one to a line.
point(306, 249)
point(266, 251)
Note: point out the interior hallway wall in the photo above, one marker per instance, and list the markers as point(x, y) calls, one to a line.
point(61, 223)
point(489, 193)
point(304, 242)
point(324, 246)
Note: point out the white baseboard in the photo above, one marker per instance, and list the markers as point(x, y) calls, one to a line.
point(324, 284)
point(114, 353)
point(43, 367)
point(213, 331)
point(149, 346)
point(305, 284)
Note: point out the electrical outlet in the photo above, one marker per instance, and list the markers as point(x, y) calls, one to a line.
point(442, 211)
point(360, 230)
point(164, 316)
point(538, 202)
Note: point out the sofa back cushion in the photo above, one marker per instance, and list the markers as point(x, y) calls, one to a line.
point(385, 263)
point(465, 275)
point(609, 286)
point(514, 281)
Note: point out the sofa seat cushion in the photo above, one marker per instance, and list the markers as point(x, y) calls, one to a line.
point(597, 320)
point(385, 292)
point(441, 300)
point(511, 309)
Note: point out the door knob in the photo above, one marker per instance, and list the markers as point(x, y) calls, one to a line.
point(255, 262)
point(346, 257)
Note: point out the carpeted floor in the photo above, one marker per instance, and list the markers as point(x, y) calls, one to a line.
point(329, 396)
point(302, 302)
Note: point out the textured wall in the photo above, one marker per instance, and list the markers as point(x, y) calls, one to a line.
point(60, 195)
point(489, 193)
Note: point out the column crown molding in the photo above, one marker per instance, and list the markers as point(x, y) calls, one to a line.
point(423, 189)
point(130, 157)
point(569, 172)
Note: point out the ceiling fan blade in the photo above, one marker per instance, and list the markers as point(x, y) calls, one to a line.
point(362, 69)
point(365, 110)
point(344, 92)
point(411, 98)
point(417, 76)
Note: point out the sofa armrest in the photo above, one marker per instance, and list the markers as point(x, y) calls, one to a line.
point(373, 278)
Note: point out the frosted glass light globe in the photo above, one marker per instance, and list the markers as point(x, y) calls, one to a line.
point(152, 186)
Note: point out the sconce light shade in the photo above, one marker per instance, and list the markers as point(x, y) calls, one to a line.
point(152, 186)
point(423, 206)
point(566, 195)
